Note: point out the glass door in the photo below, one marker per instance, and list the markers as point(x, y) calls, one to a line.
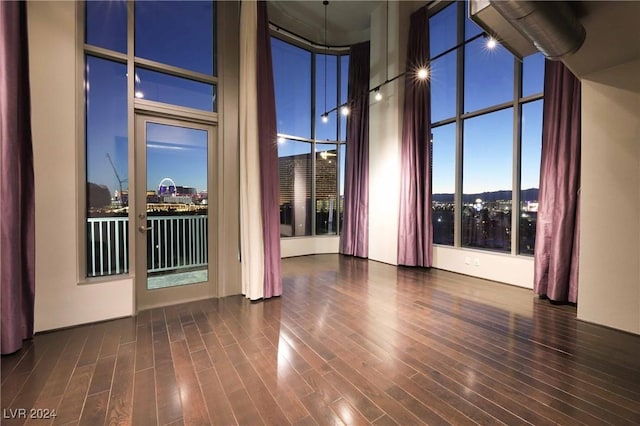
point(173, 212)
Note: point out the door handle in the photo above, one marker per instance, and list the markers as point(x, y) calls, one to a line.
point(144, 229)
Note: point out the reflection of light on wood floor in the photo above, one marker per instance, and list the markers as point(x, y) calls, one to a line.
point(176, 279)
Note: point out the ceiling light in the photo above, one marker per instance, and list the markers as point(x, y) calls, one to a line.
point(422, 73)
point(325, 116)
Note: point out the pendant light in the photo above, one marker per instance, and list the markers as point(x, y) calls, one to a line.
point(325, 115)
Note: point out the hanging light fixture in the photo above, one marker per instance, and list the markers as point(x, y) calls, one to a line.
point(378, 94)
point(421, 72)
point(325, 116)
point(491, 43)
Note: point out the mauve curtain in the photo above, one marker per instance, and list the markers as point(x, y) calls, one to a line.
point(354, 238)
point(557, 232)
point(268, 146)
point(415, 236)
point(17, 203)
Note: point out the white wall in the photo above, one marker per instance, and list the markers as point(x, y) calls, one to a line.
point(504, 268)
point(385, 131)
point(60, 301)
point(302, 246)
point(609, 291)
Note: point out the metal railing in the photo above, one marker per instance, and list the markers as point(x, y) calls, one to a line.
point(107, 246)
point(173, 242)
point(176, 242)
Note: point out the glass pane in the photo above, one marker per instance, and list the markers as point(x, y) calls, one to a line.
point(343, 157)
point(443, 87)
point(533, 74)
point(470, 28)
point(160, 87)
point(294, 162)
point(344, 93)
point(107, 189)
point(443, 31)
point(488, 76)
point(326, 96)
point(292, 79)
point(178, 33)
point(176, 205)
point(530, 174)
point(326, 187)
point(487, 177)
point(443, 183)
point(106, 24)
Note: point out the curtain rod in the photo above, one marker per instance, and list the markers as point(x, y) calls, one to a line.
point(304, 40)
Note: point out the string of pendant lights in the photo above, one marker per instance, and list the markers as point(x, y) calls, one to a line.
point(420, 72)
point(325, 116)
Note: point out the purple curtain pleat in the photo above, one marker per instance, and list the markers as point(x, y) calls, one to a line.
point(354, 237)
point(557, 232)
point(268, 147)
point(17, 203)
point(415, 236)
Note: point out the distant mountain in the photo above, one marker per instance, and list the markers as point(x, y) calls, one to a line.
point(527, 194)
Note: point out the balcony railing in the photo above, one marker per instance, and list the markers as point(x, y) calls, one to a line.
point(173, 243)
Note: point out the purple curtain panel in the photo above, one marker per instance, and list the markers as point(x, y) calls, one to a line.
point(17, 222)
point(354, 238)
point(415, 236)
point(557, 234)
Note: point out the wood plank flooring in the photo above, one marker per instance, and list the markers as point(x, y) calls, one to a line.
point(349, 342)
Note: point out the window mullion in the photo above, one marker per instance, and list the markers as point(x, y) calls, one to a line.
point(338, 140)
point(457, 227)
point(131, 134)
point(517, 148)
point(312, 207)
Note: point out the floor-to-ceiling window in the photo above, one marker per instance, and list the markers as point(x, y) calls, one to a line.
point(311, 148)
point(486, 113)
point(166, 66)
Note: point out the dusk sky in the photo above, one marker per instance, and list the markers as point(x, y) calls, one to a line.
point(165, 32)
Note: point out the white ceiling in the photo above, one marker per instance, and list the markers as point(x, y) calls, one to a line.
point(613, 36)
point(347, 20)
point(612, 27)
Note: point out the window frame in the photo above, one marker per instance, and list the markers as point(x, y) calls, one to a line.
point(315, 49)
point(134, 106)
point(460, 116)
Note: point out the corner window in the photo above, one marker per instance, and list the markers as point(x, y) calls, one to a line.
point(174, 58)
point(311, 151)
point(292, 81)
point(107, 189)
point(485, 141)
point(486, 181)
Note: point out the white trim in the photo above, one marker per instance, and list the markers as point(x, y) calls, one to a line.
point(251, 240)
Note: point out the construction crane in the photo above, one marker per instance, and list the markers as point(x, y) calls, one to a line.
point(120, 181)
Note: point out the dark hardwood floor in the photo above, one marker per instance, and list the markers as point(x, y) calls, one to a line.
point(349, 342)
